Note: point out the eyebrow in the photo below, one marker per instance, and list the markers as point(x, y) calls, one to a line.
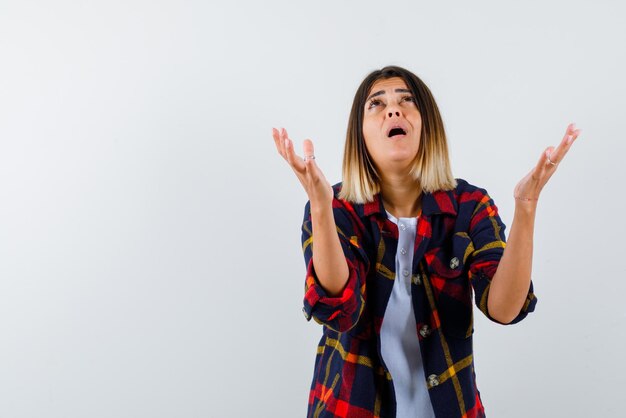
point(378, 93)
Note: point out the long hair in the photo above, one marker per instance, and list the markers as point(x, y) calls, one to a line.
point(431, 166)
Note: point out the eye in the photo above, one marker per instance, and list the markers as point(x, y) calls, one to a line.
point(373, 102)
point(409, 99)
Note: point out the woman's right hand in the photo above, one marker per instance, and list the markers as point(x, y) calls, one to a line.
point(309, 174)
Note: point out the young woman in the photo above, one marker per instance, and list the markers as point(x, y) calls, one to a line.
point(394, 253)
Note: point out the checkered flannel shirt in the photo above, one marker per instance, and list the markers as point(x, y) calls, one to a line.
point(459, 242)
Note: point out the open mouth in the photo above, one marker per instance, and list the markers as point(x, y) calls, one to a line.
point(396, 132)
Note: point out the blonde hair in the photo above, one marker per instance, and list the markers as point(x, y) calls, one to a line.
point(431, 167)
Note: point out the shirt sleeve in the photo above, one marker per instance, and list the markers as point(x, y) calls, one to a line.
point(340, 312)
point(489, 241)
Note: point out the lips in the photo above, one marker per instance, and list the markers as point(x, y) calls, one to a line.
point(396, 130)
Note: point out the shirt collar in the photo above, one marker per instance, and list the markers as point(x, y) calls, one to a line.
point(440, 202)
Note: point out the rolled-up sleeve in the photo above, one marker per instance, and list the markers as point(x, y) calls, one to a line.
point(488, 240)
point(340, 312)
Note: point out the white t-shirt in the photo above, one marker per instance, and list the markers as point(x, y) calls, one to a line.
point(399, 342)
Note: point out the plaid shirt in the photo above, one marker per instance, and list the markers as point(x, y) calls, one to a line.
point(459, 242)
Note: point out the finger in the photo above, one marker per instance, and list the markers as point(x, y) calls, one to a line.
point(571, 133)
point(572, 129)
point(308, 149)
point(294, 160)
point(280, 145)
point(314, 174)
point(574, 132)
point(549, 158)
point(543, 162)
point(309, 153)
point(283, 140)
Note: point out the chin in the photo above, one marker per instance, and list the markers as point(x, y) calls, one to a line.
point(394, 162)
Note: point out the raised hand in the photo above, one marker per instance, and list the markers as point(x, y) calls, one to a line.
point(529, 188)
point(309, 174)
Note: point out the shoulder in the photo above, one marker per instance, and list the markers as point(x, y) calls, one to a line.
point(474, 203)
point(347, 214)
point(337, 188)
point(350, 208)
point(465, 189)
point(467, 194)
point(456, 202)
point(467, 199)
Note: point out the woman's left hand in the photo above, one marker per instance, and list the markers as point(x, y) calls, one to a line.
point(530, 186)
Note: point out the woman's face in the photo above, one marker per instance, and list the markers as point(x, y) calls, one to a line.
point(392, 125)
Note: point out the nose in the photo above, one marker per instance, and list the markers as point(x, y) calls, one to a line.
point(393, 110)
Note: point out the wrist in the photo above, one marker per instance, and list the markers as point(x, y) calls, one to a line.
point(525, 203)
point(321, 208)
point(526, 207)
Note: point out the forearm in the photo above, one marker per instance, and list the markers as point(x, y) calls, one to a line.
point(329, 261)
point(511, 282)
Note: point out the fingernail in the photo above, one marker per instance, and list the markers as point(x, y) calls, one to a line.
point(286, 143)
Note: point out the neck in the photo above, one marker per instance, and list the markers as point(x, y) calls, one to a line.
point(400, 195)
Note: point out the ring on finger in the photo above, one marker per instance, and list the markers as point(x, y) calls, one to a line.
point(309, 157)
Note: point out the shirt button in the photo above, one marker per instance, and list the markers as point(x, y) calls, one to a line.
point(402, 226)
point(405, 272)
point(454, 263)
point(425, 331)
point(402, 251)
point(306, 315)
point(417, 279)
point(433, 380)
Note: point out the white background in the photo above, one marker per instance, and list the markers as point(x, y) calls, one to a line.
point(150, 259)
